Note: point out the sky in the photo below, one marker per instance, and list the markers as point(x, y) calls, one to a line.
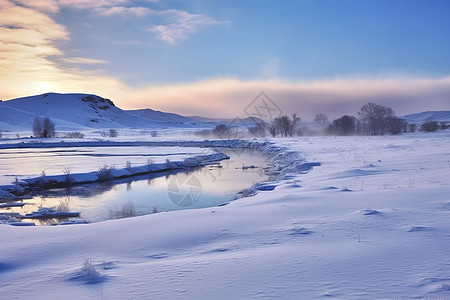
point(214, 57)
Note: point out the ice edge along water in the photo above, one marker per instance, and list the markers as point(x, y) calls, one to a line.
point(21, 187)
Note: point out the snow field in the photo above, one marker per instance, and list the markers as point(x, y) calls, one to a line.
point(371, 222)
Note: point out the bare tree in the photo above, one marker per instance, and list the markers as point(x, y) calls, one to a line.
point(272, 129)
point(375, 118)
point(43, 127)
point(321, 118)
point(259, 130)
point(285, 125)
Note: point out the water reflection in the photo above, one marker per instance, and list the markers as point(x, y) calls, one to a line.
point(201, 187)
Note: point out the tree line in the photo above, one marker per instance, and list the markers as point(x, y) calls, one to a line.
point(372, 119)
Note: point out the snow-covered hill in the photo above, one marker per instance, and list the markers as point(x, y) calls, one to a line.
point(79, 112)
point(439, 116)
point(161, 116)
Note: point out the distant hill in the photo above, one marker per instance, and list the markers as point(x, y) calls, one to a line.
point(439, 116)
point(161, 116)
point(80, 112)
point(249, 121)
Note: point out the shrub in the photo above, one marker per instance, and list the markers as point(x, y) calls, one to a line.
point(113, 133)
point(170, 165)
point(69, 178)
point(110, 133)
point(429, 126)
point(222, 131)
point(396, 125)
point(74, 135)
point(105, 173)
point(412, 127)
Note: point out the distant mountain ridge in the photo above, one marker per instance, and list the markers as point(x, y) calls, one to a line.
point(81, 112)
point(156, 115)
point(77, 112)
point(439, 116)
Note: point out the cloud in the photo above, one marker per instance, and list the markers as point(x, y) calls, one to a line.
point(88, 4)
point(29, 54)
point(83, 60)
point(17, 17)
point(28, 51)
point(126, 11)
point(181, 24)
point(229, 97)
point(26, 41)
point(41, 5)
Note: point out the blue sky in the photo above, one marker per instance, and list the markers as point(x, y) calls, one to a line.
point(164, 54)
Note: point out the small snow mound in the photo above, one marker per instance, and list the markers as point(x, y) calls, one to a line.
point(49, 212)
point(219, 250)
point(21, 224)
point(371, 212)
point(300, 231)
point(308, 166)
point(370, 166)
point(158, 256)
point(294, 185)
point(446, 206)
point(266, 187)
point(436, 284)
point(89, 274)
point(72, 222)
point(329, 188)
point(420, 228)
point(327, 295)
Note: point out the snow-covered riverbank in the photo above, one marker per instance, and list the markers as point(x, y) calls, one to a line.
point(370, 222)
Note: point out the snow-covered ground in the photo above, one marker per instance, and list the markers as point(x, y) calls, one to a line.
point(371, 222)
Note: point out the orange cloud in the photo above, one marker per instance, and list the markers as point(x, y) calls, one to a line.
point(29, 56)
point(229, 97)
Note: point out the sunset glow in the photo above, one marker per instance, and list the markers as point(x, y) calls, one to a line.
point(212, 57)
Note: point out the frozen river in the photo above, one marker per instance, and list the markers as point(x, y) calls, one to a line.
point(157, 192)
